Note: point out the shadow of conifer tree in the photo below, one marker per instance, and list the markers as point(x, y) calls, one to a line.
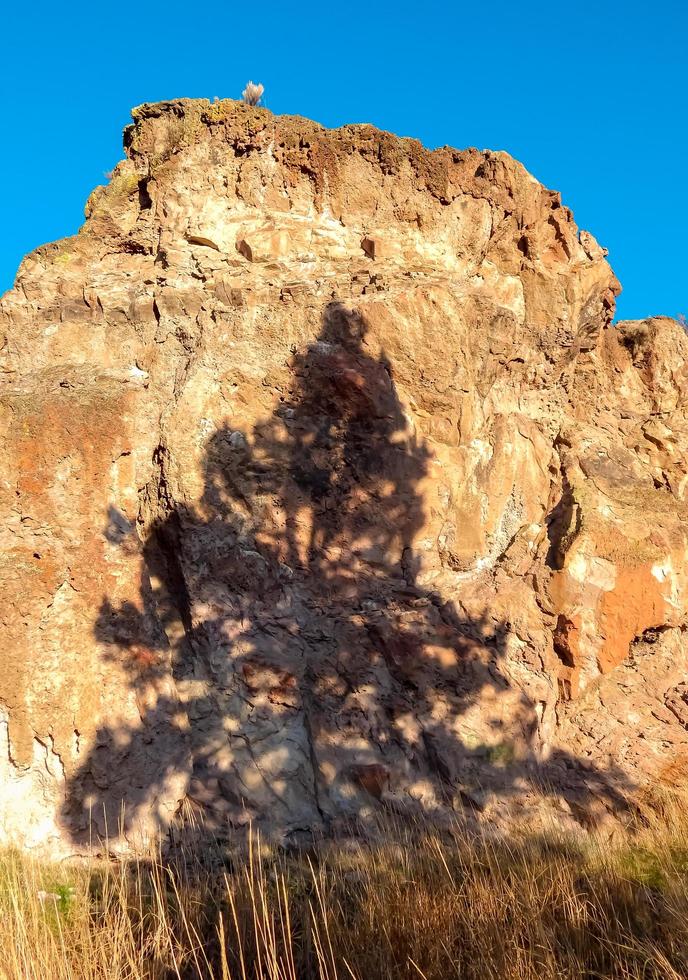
point(288, 667)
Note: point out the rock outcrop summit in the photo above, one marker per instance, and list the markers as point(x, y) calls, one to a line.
point(329, 488)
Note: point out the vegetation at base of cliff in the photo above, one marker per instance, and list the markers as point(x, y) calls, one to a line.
point(410, 904)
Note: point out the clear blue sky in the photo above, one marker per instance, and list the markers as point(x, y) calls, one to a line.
point(590, 96)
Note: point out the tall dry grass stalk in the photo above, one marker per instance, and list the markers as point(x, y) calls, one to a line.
point(410, 903)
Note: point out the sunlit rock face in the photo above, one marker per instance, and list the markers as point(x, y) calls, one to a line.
point(329, 490)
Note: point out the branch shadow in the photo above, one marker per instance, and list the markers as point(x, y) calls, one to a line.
point(288, 668)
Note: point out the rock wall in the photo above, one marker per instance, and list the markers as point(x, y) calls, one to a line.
point(329, 488)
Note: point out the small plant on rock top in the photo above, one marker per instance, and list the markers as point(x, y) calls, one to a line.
point(252, 94)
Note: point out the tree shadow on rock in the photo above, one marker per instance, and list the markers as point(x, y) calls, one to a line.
point(287, 667)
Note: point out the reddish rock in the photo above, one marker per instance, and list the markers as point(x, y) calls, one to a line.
point(373, 778)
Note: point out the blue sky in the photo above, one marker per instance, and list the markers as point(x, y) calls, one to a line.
point(591, 96)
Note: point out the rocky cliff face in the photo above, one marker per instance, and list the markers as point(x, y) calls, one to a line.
point(328, 487)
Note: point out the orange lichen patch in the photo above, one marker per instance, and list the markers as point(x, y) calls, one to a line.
point(604, 605)
point(26, 572)
point(65, 425)
point(55, 489)
point(638, 602)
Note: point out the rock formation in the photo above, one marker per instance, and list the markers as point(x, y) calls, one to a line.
point(329, 488)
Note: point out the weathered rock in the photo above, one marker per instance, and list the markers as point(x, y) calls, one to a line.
point(329, 486)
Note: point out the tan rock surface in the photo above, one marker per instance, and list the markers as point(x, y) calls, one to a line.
point(328, 487)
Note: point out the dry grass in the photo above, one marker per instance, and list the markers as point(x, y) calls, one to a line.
point(253, 93)
point(418, 905)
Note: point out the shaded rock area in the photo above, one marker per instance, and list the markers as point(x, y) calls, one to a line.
point(329, 489)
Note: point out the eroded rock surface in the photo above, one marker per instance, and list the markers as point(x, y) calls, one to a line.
point(329, 488)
